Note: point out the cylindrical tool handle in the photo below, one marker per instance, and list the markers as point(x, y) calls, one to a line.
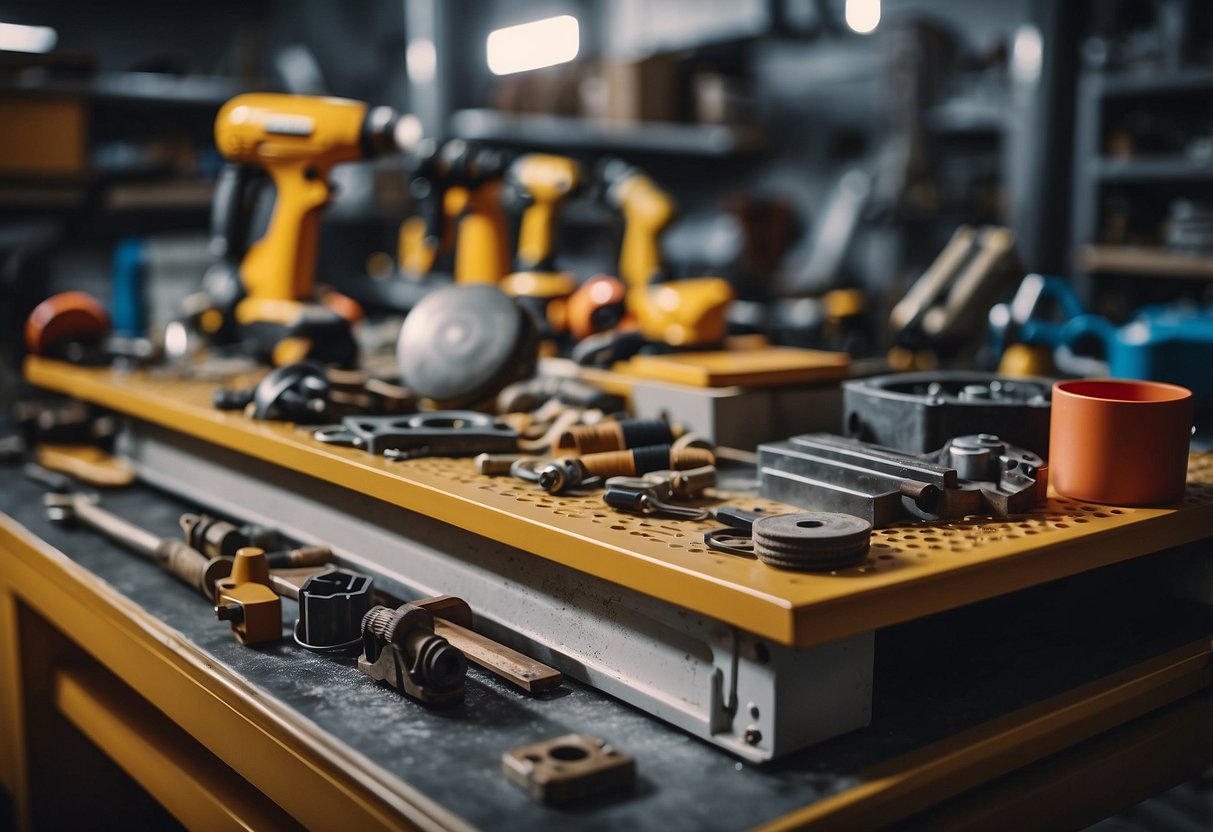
point(190, 566)
point(645, 460)
point(127, 534)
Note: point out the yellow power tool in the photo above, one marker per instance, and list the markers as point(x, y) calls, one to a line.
point(681, 313)
point(458, 188)
point(297, 140)
point(543, 182)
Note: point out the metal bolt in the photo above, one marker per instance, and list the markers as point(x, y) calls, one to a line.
point(752, 736)
point(230, 612)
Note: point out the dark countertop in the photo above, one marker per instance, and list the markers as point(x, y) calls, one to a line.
point(933, 678)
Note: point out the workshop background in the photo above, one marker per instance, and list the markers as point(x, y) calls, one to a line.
point(821, 155)
point(804, 155)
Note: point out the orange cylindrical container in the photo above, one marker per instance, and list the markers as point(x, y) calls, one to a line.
point(1120, 442)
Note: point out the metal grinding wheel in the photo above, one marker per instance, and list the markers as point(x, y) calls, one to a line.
point(816, 540)
point(462, 344)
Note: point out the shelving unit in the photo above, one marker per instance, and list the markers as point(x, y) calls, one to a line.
point(569, 133)
point(1142, 260)
point(1161, 176)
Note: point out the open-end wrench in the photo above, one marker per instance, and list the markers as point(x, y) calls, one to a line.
point(172, 555)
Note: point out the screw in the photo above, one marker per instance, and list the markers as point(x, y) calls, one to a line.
point(752, 736)
point(230, 612)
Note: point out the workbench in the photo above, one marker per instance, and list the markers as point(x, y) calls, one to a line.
point(1013, 667)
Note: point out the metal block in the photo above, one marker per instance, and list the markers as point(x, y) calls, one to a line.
point(738, 417)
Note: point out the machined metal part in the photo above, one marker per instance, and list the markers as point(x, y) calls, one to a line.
point(642, 495)
point(970, 475)
point(919, 412)
point(400, 647)
point(753, 697)
point(439, 433)
point(569, 768)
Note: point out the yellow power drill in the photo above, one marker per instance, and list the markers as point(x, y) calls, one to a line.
point(543, 182)
point(458, 188)
point(681, 313)
point(297, 140)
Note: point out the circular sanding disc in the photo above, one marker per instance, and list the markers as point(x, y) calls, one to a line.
point(463, 343)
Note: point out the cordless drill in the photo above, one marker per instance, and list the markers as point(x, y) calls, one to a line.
point(542, 183)
point(680, 313)
point(297, 140)
point(457, 187)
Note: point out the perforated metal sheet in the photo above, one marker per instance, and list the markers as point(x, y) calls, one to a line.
point(913, 569)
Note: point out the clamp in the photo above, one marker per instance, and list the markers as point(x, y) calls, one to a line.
point(400, 647)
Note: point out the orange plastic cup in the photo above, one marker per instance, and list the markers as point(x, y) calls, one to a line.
point(1120, 442)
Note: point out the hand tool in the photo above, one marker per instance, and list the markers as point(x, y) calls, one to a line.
point(970, 475)
point(565, 473)
point(569, 769)
point(401, 648)
point(919, 412)
point(298, 139)
point(453, 621)
point(616, 436)
point(246, 599)
point(188, 565)
point(438, 433)
point(218, 538)
point(463, 344)
point(541, 183)
point(642, 495)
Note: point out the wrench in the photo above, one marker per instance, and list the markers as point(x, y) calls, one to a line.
point(189, 566)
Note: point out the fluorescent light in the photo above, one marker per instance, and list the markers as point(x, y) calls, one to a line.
point(421, 60)
point(17, 38)
point(547, 42)
point(863, 15)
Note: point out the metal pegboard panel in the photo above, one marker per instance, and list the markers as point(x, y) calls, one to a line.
point(914, 569)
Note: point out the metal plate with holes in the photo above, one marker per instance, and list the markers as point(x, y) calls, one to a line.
point(667, 559)
point(638, 607)
point(569, 768)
